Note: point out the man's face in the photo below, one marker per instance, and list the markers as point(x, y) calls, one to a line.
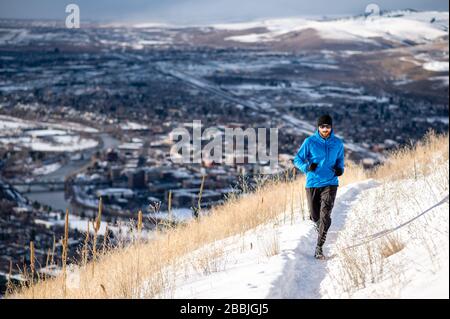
point(325, 130)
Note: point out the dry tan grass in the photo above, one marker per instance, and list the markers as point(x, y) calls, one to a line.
point(359, 266)
point(413, 161)
point(142, 268)
point(270, 243)
point(366, 264)
point(208, 260)
point(391, 245)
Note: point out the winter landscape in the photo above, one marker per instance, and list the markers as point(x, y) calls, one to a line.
point(89, 189)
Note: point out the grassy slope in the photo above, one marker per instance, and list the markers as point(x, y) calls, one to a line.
point(120, 272)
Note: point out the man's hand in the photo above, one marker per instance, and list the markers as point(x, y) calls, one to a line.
point(337, 171)
point(312, 167)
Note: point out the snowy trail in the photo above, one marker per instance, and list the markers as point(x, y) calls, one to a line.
point(302, 274)
point(239, 266)
point(293, 273)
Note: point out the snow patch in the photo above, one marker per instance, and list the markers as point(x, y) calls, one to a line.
point(436, 66)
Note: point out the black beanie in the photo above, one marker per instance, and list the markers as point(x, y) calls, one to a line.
point(325, 119)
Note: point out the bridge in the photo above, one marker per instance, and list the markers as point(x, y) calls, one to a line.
point(50, 184)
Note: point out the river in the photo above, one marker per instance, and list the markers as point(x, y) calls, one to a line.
point(56, 199)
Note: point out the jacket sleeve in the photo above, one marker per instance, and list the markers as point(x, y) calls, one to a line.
point(301, 159)
point(340, 157)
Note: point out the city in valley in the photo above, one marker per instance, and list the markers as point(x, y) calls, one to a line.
point(90, 113)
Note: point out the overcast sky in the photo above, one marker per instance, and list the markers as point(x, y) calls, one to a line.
point(201, 11)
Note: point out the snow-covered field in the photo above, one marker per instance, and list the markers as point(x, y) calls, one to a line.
point(436, 66)
point(81, 224)
point(45, 136)
point(132, 126)
point(10, 123)
point(276, 259)
point(65, 143)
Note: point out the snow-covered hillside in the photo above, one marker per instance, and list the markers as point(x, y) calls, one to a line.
point(397, 26)
point(387, 240)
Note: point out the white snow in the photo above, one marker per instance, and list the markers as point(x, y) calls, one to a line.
point(7, 123)
point(403, 82)
point(130, 146)
point(71, 126)
point(320, 66)
point(44, 136)
point(10, 122)
point(154, 42)
point(251, 38)
point(177, 214)
point(49, 132)
point(46, 169)
point(433, 286)
point(133, 126)
point(432, 119)
point(115, 192)
point(436, 66)
point(59, 143)
point(78, 223)
point(409, 26)
point(152, 25)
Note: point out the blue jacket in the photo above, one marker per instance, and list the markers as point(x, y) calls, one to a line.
point(327, 153)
